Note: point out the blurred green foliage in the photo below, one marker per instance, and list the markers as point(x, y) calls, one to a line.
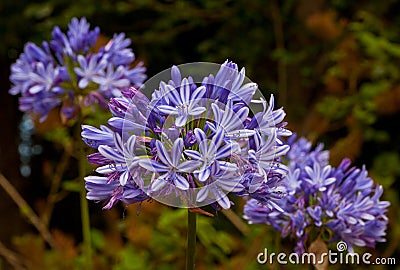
point(334, 65)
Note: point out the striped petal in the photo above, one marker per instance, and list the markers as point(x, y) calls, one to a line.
point(198, 93)
point(227, 116)
point(217, 113)
point(123, 179)
point(158, 184)
point(230, 185)
point(130, 144)
point(185, 91)
point(119, 123)
point(218, 137)
point(242, 114)
point(176, 152)
point(214, 168)
point(110, 168)
point(181, 182)
point(193, 154)
point(240, 133)
point(247, 90)
point(173, 94)
point(169, 110)
point(227, 166)
point(239, 79)
point(211, 126)
point(222, 199)
point(282, 150)
point(93, 133)
point(119, 144)
point(188, 166)
point(202, 194)
point(153, 166)
point(204, 174)
point(110, 153)
point(200, 135)
point(197, 111)
point(224, 151)
point(98, 180)
point(181, 119)
point(163, 154)
point(201, 140)
point(277, 167)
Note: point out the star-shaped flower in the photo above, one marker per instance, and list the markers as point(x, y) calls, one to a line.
point(170, 166)
point(184, 103)
point(210, 152)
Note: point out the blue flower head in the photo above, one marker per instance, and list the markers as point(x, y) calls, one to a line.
point(192, 143)
point(342, 201)
point(68, 72)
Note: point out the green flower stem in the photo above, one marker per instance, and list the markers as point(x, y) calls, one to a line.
point(85, 218)
point(191, 241)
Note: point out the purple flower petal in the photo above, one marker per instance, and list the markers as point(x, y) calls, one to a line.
point(181, 182)
point(163, 154)
point(176, 152)
point(153, 166)
point(202, 194)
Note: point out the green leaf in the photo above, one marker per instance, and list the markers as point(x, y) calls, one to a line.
point(98, 239)
point(130, 259)
point(38, 11)
point(387, 167)
point(370, 90)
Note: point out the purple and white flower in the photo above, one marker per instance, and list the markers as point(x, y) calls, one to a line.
point(342, 201)
point(67, 71)
point(183, 103)
point(193, 144)
point(171, 168)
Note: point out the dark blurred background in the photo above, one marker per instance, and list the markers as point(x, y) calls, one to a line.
point(333, 65)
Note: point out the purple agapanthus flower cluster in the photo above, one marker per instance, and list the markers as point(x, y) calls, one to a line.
point(192, 142)
point(335, 203)
point(68, 71)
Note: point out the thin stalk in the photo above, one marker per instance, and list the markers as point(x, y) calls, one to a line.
point(280, 44)
point(53, 196)
point(26, 210)
point(236, 221)
point(14, 259)
point(191, 241)
point(85, 218)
